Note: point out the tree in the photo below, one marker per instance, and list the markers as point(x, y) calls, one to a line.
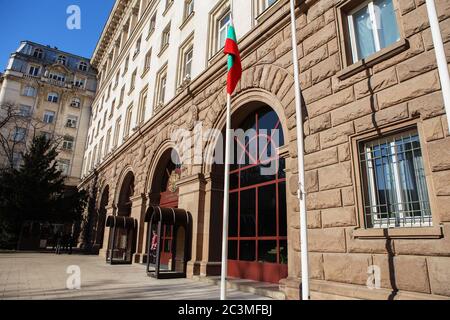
point(41, 182)
point(16, 127)
point(36, 191)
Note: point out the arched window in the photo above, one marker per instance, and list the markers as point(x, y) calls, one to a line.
point(257, 238)
point(61, 60)
point(29, 91)
point(38, 53)
point(82, 66)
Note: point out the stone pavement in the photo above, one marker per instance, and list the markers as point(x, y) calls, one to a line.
point(43, 276)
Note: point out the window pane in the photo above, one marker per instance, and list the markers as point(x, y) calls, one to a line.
point(387, 22)
point(283, 252)
point(248, 213)
point(256, 175)
point(232, 250)
point(223, 29)
point(267, 251)
point(247, 250)
point(234, 181)
point(396, 191)
point(233, 215)
point(267, 211)
point(363, 32)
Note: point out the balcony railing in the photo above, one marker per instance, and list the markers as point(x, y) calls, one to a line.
point(29, 76)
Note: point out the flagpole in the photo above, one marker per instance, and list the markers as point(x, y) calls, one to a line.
point(301, 163)
point(440, 56)
point(226, 195)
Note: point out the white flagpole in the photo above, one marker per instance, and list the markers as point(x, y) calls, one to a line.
point(301, 165)
point(226, 195)
point(440, 56)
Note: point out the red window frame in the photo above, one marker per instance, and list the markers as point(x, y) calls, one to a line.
point(277, 181)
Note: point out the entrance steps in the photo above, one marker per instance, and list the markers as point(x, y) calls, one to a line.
point(270, 290)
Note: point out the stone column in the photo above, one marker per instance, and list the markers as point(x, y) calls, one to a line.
point(212, 227)
point(192, 199)
point(110, 211)
point(138, 212)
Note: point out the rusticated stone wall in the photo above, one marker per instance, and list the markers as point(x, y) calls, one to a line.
point(342, 104)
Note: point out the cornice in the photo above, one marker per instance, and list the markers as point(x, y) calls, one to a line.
point(124, 50)
point(111, 26)
point(109, 29)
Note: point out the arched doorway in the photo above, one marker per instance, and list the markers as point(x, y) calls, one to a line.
point(164, 193)
point(126, 192)
point(101, 219)
point(122, 236)
point(257, 237)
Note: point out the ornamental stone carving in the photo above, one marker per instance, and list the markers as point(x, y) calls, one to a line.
point(192, 117)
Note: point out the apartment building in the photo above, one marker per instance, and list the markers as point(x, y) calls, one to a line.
point(376, 143)
point(53, 91)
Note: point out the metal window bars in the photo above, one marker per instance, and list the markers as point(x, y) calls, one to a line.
point(395, 191)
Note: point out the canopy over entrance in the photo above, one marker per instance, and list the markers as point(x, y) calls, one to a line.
point(121, 222)
point(122, 243)
point(180, 222)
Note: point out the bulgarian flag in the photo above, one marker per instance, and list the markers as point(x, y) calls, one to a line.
point(234, 59)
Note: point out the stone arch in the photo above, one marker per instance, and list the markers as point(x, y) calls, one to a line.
point(126, 190)
point(247, 105)
point(269, 78)
point(103, 202)
point(119, 182)
point(154, 161)
point(246, 98)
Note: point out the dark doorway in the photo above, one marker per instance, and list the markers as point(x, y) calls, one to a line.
point(101, 220)
point(122, 236)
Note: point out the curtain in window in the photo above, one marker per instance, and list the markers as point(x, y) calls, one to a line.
point(387, 22)
point(415, 191)
point(363, 31)
point(397, 190)
point(388, 201)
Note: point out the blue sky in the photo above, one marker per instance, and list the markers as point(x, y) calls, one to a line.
point(44, 21)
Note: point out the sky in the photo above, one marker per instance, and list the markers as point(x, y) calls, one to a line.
point(45, 22)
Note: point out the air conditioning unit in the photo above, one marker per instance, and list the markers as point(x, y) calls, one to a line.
point(75, 104)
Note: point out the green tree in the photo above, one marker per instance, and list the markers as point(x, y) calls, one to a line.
point(40, 181)
point(36, 191)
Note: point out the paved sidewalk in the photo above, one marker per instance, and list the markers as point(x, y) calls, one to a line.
point(43, 276)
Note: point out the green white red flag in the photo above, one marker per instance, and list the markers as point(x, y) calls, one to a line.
point(234, 59)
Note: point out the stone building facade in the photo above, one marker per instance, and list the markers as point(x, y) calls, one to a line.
point(376, 143)
point(53, 92)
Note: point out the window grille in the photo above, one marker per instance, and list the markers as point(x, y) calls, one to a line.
point(395, 189)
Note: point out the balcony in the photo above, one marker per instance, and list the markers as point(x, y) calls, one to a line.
point(30, 77)
point(56, 82)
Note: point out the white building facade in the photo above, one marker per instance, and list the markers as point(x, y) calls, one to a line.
point(148, 53)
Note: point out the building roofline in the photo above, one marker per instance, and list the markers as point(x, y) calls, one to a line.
point(54, 49)
point(101, 41)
